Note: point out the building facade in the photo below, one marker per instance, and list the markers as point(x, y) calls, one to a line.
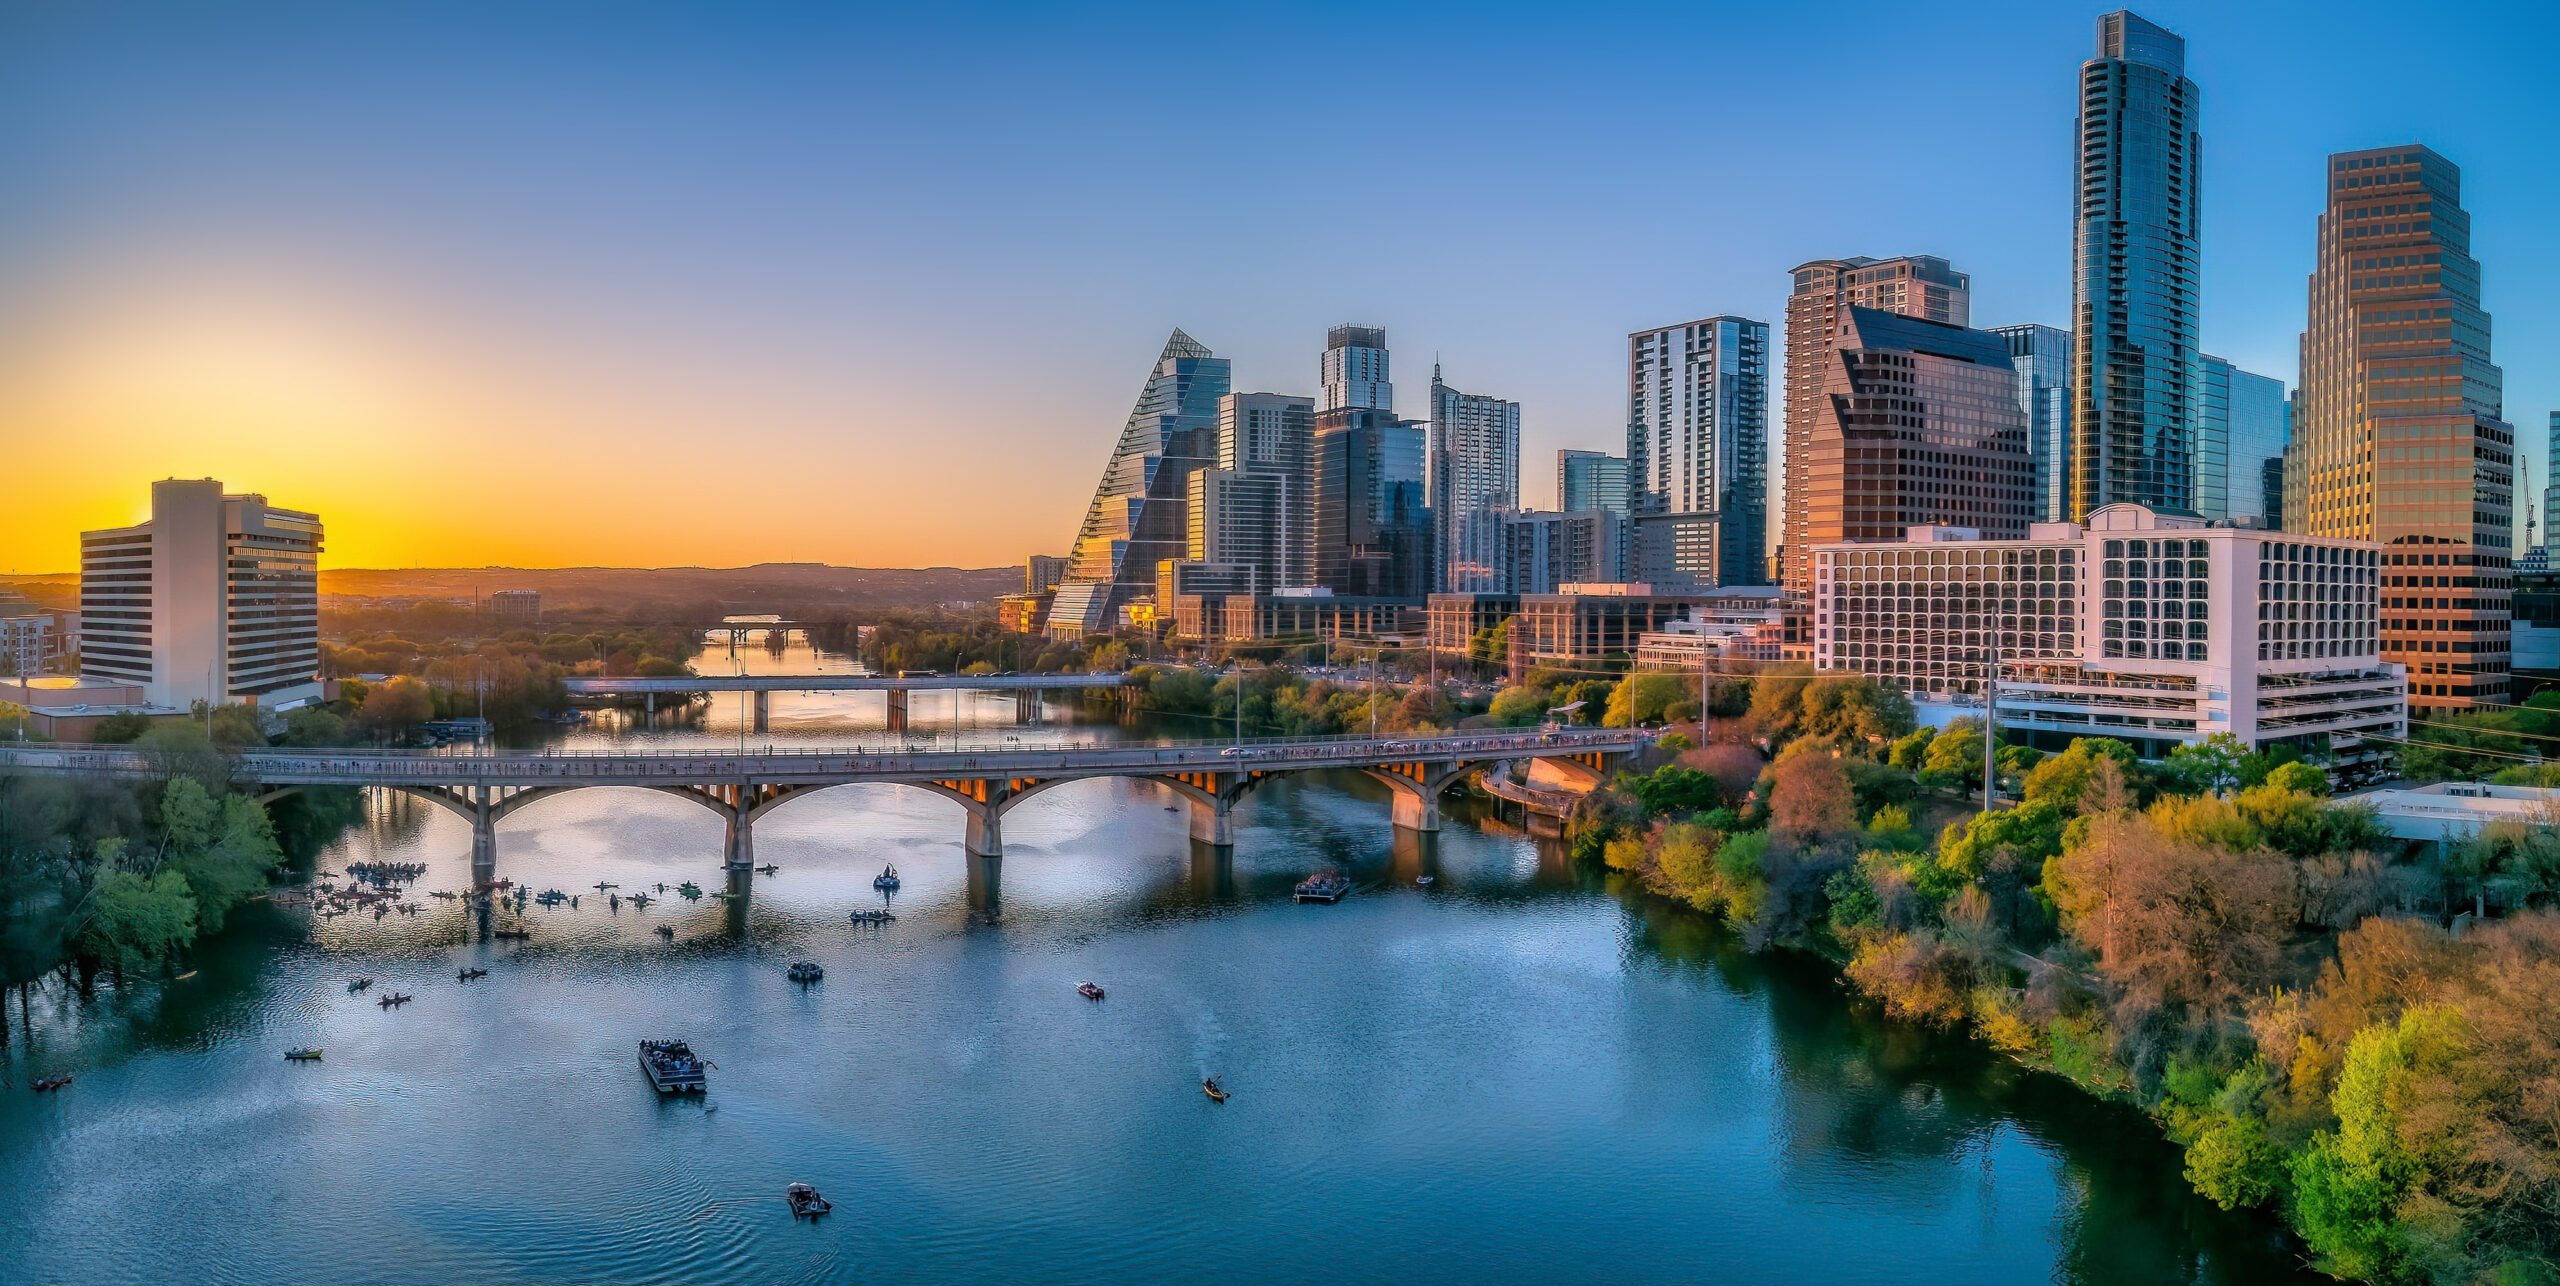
point(1354, 370)
point(2240, 441)
point(1043, 571)
point(215, 599)
point(1542, 551)
point(37, 642)
point(1591, 480)
point(2153, 628)
point(2399, 437)
point(1698, 433)
point(1372, 529)
point(1473, 485)
point(1918, 424)
point(1241, 519)
point(2042, 358)
point(1140, 512)
point(1818, 311)
point(1272, 435)
point(2137, 377)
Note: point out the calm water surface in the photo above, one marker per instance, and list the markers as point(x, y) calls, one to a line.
point(1516, 1073)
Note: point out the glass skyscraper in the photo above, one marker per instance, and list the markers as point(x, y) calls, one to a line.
point(1474, 485)
point(1587, 480)
point(1372, 530)
point(2137, 379)
point(1140, 513)
point(2399, 436)
point(1698, 433)
point(2246, 422)
point(2042, 356)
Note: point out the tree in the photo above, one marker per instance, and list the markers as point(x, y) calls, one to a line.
point(133, 920)
point(120, 729)
point(1518, 706)
point(1640, 699)
point(1954, 760)
point(1812, 795)
point(236, 726)
point(314, 725)
point(2211, 765)
point(2299, 777)
point(399, 704)
point(1674, 789)
point(2349, 1186)
point(2174, 922)
point(2062, 779)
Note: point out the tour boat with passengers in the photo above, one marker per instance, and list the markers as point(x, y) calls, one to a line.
point(672, 1066)
point(1324, 886)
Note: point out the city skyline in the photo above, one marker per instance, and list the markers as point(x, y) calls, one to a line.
point(227, 327)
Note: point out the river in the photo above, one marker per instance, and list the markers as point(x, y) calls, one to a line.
point(1520, 1071)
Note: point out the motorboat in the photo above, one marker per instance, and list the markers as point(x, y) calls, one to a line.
point(305, 1054)
point(805, 1201)
point(1088, 991)
point(466, 975)
point(806, 971)
point(1210, 1087)
point(872, 917)
point(886, 880)
point(671, 1066)
point(359, 984)
point(395, 998)
point(642, 900)
point(769, 868)
point(1424, 879)
point(1324, 886)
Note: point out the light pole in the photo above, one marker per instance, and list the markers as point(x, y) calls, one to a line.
point(1991, 725)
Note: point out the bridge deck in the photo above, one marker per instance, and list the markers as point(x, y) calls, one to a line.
point(781, 766)
point(598, 687)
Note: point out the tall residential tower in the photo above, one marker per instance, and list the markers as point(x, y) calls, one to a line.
point(1698, 441)
point(1474, 485)
point(2137, 378)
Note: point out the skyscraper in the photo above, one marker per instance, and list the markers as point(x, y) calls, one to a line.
point(1372, 527)
point(1272, 436)
point(2245, 422)
point(1591, 480)
point(2042, 356)
point(1473, 484)
point(216, 599)
point(2551, 482)
point(2399, 437)
point(1140, 511)
point(2136, 378)
point(1354, 370)
point(1818, 472)
point(1698, 435)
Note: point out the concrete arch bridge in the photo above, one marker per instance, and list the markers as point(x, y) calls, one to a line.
point(483, 788)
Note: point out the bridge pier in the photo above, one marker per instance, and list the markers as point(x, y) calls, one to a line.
point(484, 837)
point(1213, 820)
point(986, 877)
point(738, 842)
point(764, 711)
point(985, 834)
point(897, 709)
point(1026, 705)
point(1417, 809)
point(649, 703)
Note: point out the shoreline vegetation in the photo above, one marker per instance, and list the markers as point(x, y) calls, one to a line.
point(2265, 973)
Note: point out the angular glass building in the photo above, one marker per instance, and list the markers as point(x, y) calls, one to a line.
point(2137, 380)
point(1140, 512)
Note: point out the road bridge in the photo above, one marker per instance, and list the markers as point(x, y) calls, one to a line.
point(986, 782)
point(1026, 688)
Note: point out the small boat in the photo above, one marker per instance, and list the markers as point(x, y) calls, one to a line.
point(442, 893)
point(305, 1054)
point(671, 1066)
point(662, 888)
point(1324, 886)
point(805, 1201)
point(667, 931)
point(642, 900)
point(886, 880)
point(359, 984)
point(1423, 879)
point(872, 917)
point(1210, 1088)
point(1088, 991)
point(516, 934)
point(466, 975)
point(43, 1083)
point(395, 998)
point(807, 971)
point(769, 869)
point(184, 976)
point(602, 885)
point(689, 889)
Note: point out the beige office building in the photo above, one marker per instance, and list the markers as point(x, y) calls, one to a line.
point(216, 598)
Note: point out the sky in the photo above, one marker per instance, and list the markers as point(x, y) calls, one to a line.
point(553, 284)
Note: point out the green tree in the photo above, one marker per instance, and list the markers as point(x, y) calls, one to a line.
point(2349, 1186)
point(1955, 756)
point(2208, 766)
point(120, 729)
point(398, 704)
point(1517, 706)
point(1640, 699)
point(236, 726)
point(133, 920)
point(314, 725)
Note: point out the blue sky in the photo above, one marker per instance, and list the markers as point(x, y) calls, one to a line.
point(509, 282)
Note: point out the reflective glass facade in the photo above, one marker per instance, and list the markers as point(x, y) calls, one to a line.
point(1591, 480)
point(2137, 378)
point(1140, 514)
point(2042, 356)
point(1474, 485)
point(2246, 421)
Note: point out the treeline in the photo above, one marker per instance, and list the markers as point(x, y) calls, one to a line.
point(951, 643)
point(100, 874)
point(512, 679)
point(2210, 938)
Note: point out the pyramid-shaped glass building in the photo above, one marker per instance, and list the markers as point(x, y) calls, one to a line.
point(1140, 509)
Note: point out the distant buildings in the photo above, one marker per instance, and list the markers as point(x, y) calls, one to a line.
point(2042, 358)
point(2137, 376)
point(1698, 443)
point(1140, 509)
point(1819, 468)
point(1591, 480)
point(1542, 551)
point(516, 604)
point(1473, 484)
point(1043, 571)
point(2245, 422)
point(216, 598)
point(2399, 438)
point(34, 642)
point(1272, 436)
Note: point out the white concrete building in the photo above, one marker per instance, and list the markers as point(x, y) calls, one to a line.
point(216, 598)
point(2150, 628)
